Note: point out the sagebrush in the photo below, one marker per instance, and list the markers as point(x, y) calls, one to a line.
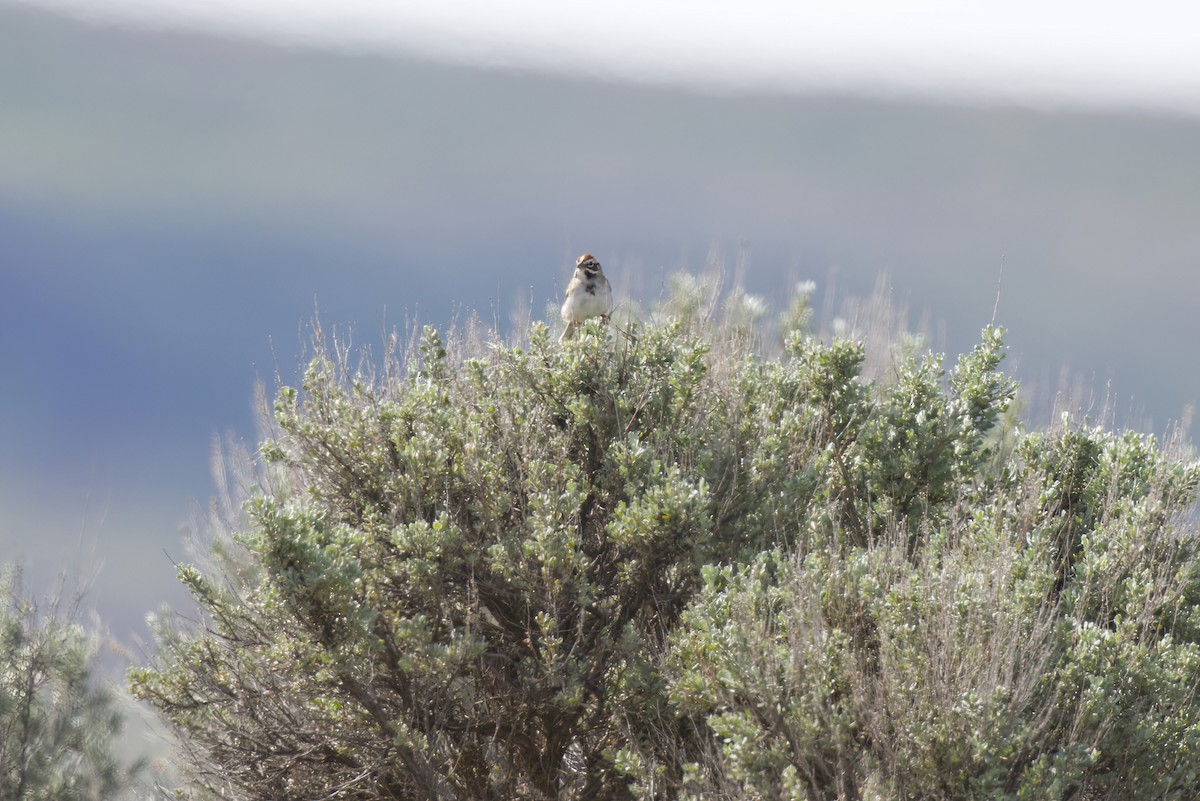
point(678, 560)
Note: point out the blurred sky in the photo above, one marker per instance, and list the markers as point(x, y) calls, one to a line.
point(1065, 51)
point(183, 183)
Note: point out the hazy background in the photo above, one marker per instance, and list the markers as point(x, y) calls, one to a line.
point(178, 193)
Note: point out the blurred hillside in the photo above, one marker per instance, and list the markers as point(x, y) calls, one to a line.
point(173, 207)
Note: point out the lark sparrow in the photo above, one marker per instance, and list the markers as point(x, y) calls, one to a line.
point(588, 295)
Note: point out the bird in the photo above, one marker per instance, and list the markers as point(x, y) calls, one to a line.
point(588, 295)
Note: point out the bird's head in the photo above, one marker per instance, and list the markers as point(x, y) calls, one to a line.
point(587, 262)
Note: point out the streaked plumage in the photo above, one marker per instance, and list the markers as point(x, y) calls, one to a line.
point(588, 295)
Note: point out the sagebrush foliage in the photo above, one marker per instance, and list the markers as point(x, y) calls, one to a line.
point(662, 564)
point(58, 723)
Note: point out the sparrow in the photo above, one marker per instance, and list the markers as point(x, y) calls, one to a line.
point(588, 295)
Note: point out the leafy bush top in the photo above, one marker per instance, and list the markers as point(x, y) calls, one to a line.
point(662, 564)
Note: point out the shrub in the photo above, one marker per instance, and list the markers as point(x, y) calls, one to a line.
point(661, 563)
point(58, 724)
